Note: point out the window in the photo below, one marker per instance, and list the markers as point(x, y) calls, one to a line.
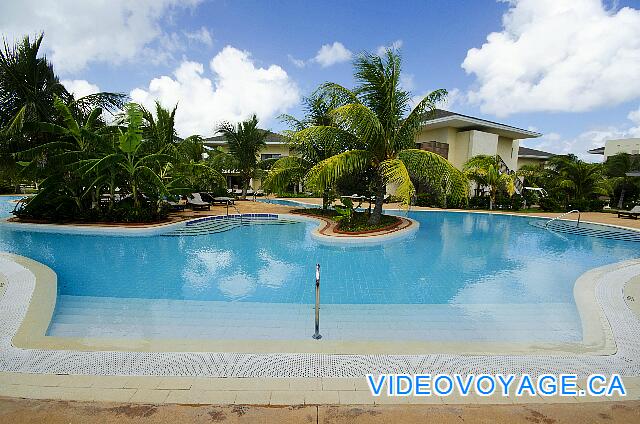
point(441, 149)
point(265, 156)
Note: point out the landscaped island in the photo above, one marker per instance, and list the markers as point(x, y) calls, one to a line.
point(354, 223)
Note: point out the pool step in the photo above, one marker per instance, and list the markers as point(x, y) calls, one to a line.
point(590, 230)
point(218, 224)
point(80, 316)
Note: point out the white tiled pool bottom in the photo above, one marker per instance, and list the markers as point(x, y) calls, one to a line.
point(112, 317)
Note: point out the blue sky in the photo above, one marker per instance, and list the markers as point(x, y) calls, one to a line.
point(567, 68)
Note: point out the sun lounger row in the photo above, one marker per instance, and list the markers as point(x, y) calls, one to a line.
point(200, 201)
point(633, 213)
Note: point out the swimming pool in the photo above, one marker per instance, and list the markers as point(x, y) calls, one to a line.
point(462, 276)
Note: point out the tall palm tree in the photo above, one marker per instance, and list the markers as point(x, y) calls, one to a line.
point(485, 171)
point(308, 151)
point(28, 85)
point(376, 116)
point(245, 140)
point(159, 129)
point(617, 166)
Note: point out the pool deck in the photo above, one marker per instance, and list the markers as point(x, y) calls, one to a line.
point(305, 392)
point(68, 412)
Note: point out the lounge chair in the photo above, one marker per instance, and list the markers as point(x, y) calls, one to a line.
point(633, 213)
point(180, 205)
point(224, 200)
point(196, 202)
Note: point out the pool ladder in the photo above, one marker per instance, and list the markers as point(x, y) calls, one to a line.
point(563, 215)
point(317, 335)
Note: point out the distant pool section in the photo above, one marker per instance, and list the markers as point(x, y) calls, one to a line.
point(287, 202)
point(462, 276)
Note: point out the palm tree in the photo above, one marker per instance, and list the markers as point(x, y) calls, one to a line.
point(245, 140)
point(159, 129)
point(580, 180)
point(139, 169)
point(376, 117)
point(28, 85)
point(485, 171)
point(61, 159)
point(28, 89)
point(617, 166)
point(308, 151)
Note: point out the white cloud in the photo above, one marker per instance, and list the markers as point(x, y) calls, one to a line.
point(202, 35)
point(590, 139)
point(634, 116)
point(81, 32)
point(406, 82)
point(235, 90)
point(298, 63)
point(396, 45)
point(557, 55)
point(80, 88)
point(330, 54)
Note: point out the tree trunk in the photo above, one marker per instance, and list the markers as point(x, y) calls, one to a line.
point(621, 199)
point(325, 200)
point(134, 193)
point(112, 193)
point(377, 210)
point(245, 185)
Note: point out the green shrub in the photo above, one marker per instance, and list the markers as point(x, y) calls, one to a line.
point(588, 205)
point(550, 204)
point(431, 200)
point(479, 202)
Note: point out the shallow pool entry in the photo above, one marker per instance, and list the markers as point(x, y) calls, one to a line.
point(588, 230)
point(218, 224)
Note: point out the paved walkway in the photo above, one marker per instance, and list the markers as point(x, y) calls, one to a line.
point(16, 411)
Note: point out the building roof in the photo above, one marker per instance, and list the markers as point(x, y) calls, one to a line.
point(219, 140)
point(597, 151)
point(443, 118)
point(525, 152)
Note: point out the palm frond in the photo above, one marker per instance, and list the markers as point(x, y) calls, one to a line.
point(431, 167)
point(395, 172)
point(285, 171)
point(325, 174)
point(359, 120)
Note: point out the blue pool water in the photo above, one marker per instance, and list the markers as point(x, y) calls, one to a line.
point(466, 264)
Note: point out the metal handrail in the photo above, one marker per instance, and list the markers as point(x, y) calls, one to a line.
point(317, 335)
point(564, 214)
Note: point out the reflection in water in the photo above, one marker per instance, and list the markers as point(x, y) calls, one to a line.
point(237, 285)
point(455, 258)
